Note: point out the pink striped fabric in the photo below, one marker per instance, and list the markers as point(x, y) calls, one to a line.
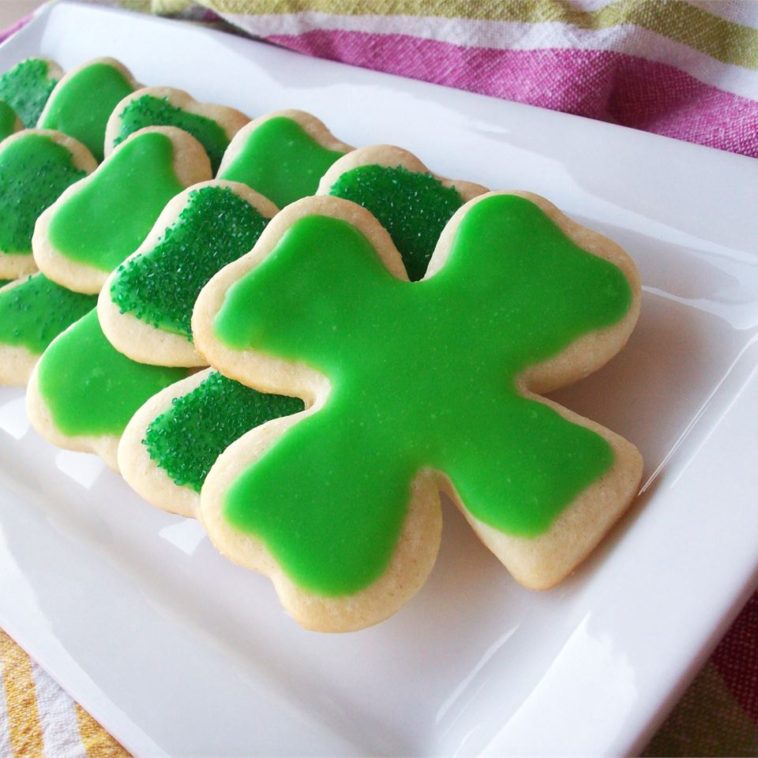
point(600, 84)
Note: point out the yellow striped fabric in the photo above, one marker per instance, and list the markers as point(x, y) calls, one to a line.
point(678, 20)
point(38, 719)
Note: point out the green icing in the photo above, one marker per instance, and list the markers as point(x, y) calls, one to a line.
point(186, 440)
point(423, 375)
point(92, 389)
point(280, 160)
point(7, 120)
point(110, 216)
point(34, 171)
point(153, 111)
point(35, 312)
point(80, 107)
point(26, 88)
point(3, 282)
point(160, 287)
point(412, 207)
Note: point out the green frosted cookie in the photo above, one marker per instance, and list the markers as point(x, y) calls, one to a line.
point(146, 305)
point(33, 312)
point(410, 202)
point(282, 155)
point(99, 222)
point(171, 443)
point(83, 392)
point(27, 86)
point(211, 125)
point(415, 387)
point(35, 168)
point(83, 100)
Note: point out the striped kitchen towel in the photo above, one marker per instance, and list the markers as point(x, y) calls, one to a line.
point(684, 69)
point(37, 718)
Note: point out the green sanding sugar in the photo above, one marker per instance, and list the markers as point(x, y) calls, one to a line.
point(34, 171)
point(160, 287)
point(412, 207)
point(186, 440)
point(154, 111)
point(26, 88)
point(35, 312)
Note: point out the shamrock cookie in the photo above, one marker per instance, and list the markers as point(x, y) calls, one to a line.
point(172, 441)
point(210, 413)
point(146, 304)
point(82, 392)
point(27, 86)
point(33, 311)
point(282, 155)
point(83, 100)
point(410, 202)
point(412, 387)
point(211, 125)
point(97, 223)
point(9, 121)
point(36, 166)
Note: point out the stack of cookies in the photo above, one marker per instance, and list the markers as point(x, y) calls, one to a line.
point(302, 344)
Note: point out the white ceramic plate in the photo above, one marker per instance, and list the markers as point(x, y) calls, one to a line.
point(175, 650)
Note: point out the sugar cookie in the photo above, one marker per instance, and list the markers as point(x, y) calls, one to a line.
point(83, 100)
point(33, 311)
point(213, 126)
point(413, 387)
point(27, 86)
point(146, 304)
point(410, 202)
point(282, 155)
point(172, 441)
point(82, 391)
point(96, 224)
point(36, 166)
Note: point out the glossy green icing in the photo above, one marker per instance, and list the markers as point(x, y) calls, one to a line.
point(89, 387)
point(80, 107)
point(412, 207)
point(35, 312)
point(34, 171)
point(423, 375)
point(280, 160)
point(160, 287)
point(186, 440)
point(108, 219)
point(7, 120)
point(26, 88)
point(156, 111)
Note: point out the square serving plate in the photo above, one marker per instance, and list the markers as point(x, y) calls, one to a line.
point(176, 651)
